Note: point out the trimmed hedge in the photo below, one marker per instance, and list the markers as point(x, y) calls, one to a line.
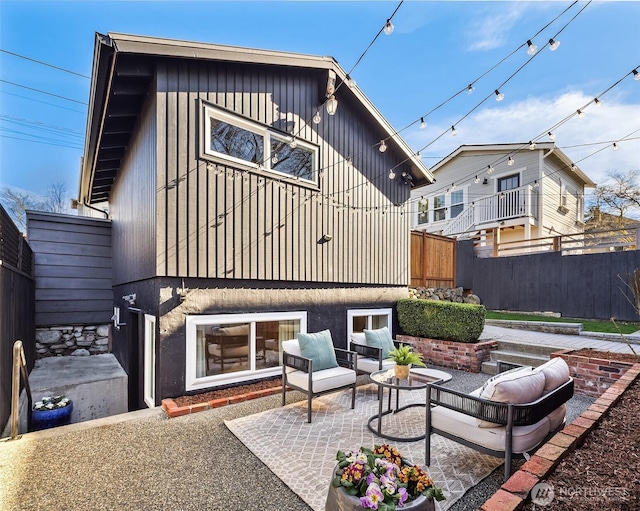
point(435, 319)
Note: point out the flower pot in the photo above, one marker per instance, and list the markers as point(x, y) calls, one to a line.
point(402, 372)
point(43, 419)
point(338, 500)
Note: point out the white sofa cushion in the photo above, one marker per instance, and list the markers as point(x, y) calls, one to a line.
point(525, 438)
point(556, 372)
point(323, 380)
point(557, 416)
point(369, 365)
point(359, 338)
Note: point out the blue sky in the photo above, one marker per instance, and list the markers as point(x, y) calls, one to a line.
point(436, 49)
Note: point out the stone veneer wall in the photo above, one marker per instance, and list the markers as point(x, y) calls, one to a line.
point(56, 341)
point(592, 375)
point(463, 356)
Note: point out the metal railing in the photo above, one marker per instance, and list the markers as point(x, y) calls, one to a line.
point(19, 366)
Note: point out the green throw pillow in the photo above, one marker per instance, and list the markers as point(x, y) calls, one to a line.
point(380, 338)
point(319, 348)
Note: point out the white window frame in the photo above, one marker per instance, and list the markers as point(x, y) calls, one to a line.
point(443, 208)
point(150, 360)
point(351, 313)
point(451, 203)
point(423, 210)
point(210, 111)
point(192, 382)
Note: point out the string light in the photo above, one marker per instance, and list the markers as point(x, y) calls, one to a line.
point(317, 118)
point(510, 161)
point(294, 143)
point(388, 27)
point(535, 184)
point(636, 75)
point(383, 146)
point(553, 44)
point(331, 105)
point(597, 102)
point(423, 124)
point(392, 174)
point(453, 187)
point(552, 136)
point(615, 146)
point(573, 167)
point(490, 169)
point(532, 145)
point(470, 89)
point(454, 131)
point(499, 95)
point(476, 180)
point(580, 113)
point(532, 48)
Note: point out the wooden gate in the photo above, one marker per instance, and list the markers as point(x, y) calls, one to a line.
point(433, 260)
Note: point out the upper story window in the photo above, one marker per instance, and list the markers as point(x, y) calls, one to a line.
point(457, 202)
point(423, 211)
point(508, 183)
point(241, 141)
point(439, 208)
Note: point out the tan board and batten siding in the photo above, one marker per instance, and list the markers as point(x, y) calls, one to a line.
point(72, 268)
point(209, 226)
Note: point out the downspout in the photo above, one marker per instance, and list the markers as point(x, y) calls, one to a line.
point(105, 213)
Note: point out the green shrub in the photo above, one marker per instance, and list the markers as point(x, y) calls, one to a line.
point(434, 319)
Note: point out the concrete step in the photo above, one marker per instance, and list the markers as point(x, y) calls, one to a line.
point(539, 326)
point(516, 357)
point(534, 349)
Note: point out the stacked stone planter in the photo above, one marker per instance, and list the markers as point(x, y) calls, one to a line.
point(60, 341)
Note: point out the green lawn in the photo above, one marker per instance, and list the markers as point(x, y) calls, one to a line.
point(589, 325)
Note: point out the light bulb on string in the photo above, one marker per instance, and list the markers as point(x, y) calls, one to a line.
point(470, 89)
point(532, 48)
point(552, 136)
point(453, 187)
point(294, 143)
point(573, 167)
point(636, 75)
point(532, 145)
point(615, 146)
point(499, 95)
point(331, 105)
point(580, 113)
point(454, 131)
point(383, 146)
point(388, 27)
point(423, 124)
point(392, 174)
point(490, 169)
point(510, 161)
point(598, 102)
point(317, 118)
point(476, 180)
point(553, 44)
point(536, 184)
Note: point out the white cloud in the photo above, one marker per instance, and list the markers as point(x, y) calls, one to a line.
point(525, 120)
point(491, 31)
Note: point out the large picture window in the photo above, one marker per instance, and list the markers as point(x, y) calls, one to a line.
point(230, 348)
point(247, 143)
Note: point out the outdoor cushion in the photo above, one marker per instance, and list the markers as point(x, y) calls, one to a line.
point(556, 372)
point(525, 438)
point(557, 416)
point(325, 379)
point(359, 338)
point(380, 338)
point(319, 348)
point(369, 365)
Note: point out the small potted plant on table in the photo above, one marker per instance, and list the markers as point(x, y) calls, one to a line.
point(404, 357)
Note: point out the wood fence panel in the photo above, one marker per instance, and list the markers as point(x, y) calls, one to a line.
point(433, 260)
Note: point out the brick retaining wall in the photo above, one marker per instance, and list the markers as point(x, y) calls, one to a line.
point(592, 375)
point(463, 356)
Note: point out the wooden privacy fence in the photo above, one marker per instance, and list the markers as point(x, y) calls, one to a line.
point(433, 260)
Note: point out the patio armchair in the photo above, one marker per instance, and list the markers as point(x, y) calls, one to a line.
point(371, 358)
point(311, 364)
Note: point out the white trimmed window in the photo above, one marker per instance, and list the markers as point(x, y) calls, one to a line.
point(243, 142)
point(439, 208)
point(423, 211)
point(371, 319)
point(229, 348)
point(457, 203)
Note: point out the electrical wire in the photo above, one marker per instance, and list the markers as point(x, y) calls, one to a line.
point(43, 92)
point(44, 63)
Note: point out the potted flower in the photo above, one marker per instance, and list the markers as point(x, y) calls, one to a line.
point(51, 411)
point(379, 479)
point(404, 357)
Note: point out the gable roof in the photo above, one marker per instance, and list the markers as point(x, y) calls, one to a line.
point(123, 67)
point(548, 147)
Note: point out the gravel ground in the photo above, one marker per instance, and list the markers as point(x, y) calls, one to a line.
point(150, 462)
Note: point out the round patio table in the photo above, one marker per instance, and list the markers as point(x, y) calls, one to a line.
point(419, 378)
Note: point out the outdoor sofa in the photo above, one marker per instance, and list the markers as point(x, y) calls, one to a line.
point(512, 414)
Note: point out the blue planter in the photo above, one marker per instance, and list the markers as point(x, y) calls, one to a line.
point(43, 419)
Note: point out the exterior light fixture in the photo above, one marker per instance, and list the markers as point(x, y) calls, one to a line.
point(317, 118)
point(331, 105)
point(510, 161)
point(499, 95)
point(532, 48)
point(423, 124)
point(383, 146)
point(388, 27)
point(573, 167)
point(553, 44)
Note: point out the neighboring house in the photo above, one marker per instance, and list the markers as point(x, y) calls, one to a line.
point(503, 193)
point(237, 220)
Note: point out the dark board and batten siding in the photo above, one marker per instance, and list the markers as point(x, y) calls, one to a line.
point(72, 268)
point(254, 227)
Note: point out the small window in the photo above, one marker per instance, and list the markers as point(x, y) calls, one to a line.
point(244, 142)
point(371, 319)
point(439, 209)
point(508, 183)
point(579, 208)
point(423, 211)
point(457, 203)
point(563, 194)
